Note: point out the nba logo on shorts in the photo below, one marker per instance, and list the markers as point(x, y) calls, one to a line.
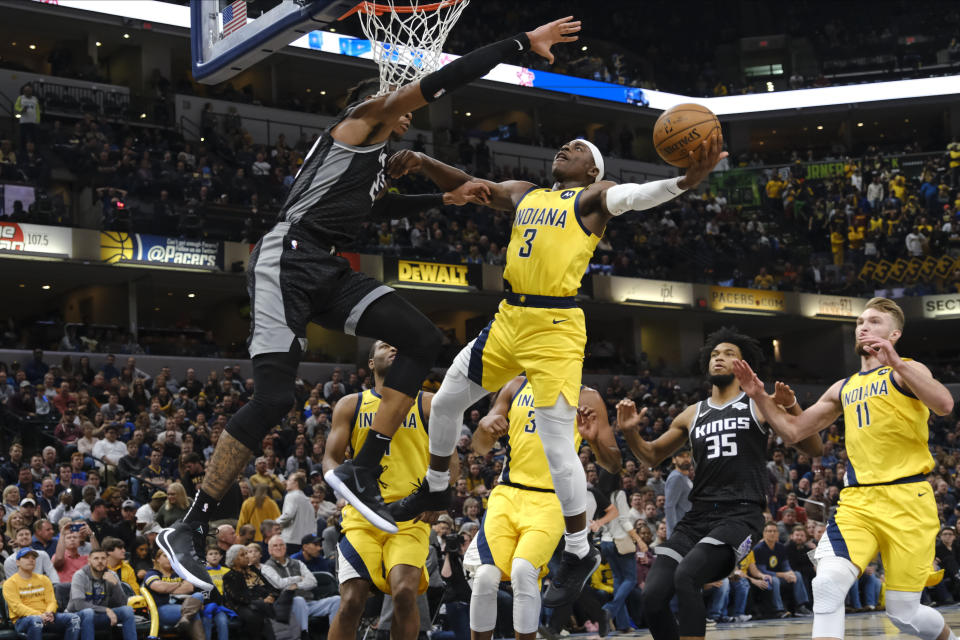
point(294, 244)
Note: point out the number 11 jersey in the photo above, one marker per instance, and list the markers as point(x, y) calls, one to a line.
point(729, 453)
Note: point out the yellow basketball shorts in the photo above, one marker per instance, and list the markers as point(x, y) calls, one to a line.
point(520, 523)
point(369, 553)
point(545, 343)
point(898, 520)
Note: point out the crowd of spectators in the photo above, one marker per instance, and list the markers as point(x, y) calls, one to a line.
point(122, 451)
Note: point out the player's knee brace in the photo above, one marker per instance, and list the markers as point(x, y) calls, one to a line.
point(569, 480)
point(456, 393)
point(526, 596)
point(274, 375)
point(834, 578)
point(911, 617)
point(483, 600)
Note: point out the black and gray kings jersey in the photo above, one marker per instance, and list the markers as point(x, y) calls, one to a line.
point(335, 188)
point(729, 453)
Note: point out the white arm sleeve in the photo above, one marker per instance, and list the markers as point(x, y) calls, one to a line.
point(637, 197)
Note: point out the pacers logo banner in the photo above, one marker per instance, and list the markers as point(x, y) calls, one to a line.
point(432, 275)
point(116, 247)
point(736, 299)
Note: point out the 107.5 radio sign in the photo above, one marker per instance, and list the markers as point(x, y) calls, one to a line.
point(36, 238)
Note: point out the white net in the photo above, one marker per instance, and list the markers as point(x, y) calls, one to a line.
point(407, 37)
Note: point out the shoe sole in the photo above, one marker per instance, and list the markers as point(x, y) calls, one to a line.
point(178, 568)
point(554, 605)
point(344, 492)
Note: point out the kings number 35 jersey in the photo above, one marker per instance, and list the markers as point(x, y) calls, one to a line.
point(729, 453)
point(335, 188)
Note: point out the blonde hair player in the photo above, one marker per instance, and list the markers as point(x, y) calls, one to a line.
point(538, 328)
point(886, 505)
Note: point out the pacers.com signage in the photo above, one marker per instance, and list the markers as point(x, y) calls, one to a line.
point(737, 299)
point(418, 273)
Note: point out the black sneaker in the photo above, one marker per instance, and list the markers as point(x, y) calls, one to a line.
point(360, 487)
point(185, 544)
point(572, 576)
point(421, 500)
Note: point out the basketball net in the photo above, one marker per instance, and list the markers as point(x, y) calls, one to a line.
point(407, 37)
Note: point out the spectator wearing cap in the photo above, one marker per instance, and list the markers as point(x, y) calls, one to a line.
point(126, 529)
point(116, 552)
point(31, 603)
point(23, 540)
point(297, 518)
point(98, 522)
point(28, 511)
point(146, 515)
point(23, 403)
point(311, 554)
point(183, 401)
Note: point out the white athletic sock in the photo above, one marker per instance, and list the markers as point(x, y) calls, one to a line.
point(576, 543)
point(438, 480)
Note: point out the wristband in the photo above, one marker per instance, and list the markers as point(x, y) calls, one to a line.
point(794, 403)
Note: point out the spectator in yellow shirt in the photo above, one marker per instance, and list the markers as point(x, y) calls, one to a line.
point(855, 237)
point(836, 246)
point(774, 190)
point(256, 509)
point(31, 602)
point(898, 187)
point(264, 477)
point(763, 280)
point(116, 561)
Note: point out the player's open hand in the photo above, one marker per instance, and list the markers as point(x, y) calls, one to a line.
point(881, 349)
point(470, 191)
point(497, 426)
point(703, 160)
point(403, 162)
point(627, 417)
point(749, 381)
point(587, 423)
point(783, 395)
point(545, 36)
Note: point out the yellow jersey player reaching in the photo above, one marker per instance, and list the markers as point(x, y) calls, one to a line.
point(523, 523)
point(886, 504)
point(394, 564)
point(538, 328)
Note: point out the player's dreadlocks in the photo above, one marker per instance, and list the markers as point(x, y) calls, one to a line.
point(749, 347)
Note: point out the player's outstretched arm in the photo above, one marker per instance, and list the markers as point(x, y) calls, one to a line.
point(372, 121)
point(497, 195)
point(593, 425)
point(913, 374)
point(494, 425)
point(339, 436)
point(791, 428)
point(654, 452)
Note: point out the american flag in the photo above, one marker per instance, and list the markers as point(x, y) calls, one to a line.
point(234, 16)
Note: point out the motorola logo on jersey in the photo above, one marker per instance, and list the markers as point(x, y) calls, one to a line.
point(566, 195)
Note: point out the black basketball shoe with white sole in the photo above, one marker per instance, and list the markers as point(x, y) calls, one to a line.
point(185, 544)
point(360, 486)
point(571, 577)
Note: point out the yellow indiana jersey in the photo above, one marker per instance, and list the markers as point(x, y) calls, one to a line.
point(526, 463)
point(550, 247)
point(406, 460)
point(885, 428)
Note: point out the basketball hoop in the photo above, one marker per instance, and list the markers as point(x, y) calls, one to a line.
point(407, 37)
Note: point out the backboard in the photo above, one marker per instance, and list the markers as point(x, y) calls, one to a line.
point(226, 38)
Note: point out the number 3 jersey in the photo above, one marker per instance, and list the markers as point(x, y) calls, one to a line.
point(729, 453)
point(550, 247)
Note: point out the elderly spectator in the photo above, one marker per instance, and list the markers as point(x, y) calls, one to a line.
point(286, 573)
point(248, 593)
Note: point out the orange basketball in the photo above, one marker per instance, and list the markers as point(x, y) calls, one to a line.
point(680, 130)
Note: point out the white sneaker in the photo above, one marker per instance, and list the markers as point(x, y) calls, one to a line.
point(743, 617)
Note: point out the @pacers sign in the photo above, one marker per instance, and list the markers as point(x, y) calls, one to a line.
point(449, 275)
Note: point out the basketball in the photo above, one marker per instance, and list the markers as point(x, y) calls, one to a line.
point(681, 129)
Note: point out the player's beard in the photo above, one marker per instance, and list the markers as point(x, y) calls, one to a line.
point(721, 380)
point(858, 347)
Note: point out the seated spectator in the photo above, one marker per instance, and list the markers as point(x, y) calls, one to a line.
point(217, 617)
point(43, 564)
point(142, 558)
point(285, 573)
point(98, 600)
point(311, 554)
point(116, 561)
point(771, 559)
point(247, 592)
point(31, 603)
point(177, 605)
point(175, 507)
point(43, 536)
